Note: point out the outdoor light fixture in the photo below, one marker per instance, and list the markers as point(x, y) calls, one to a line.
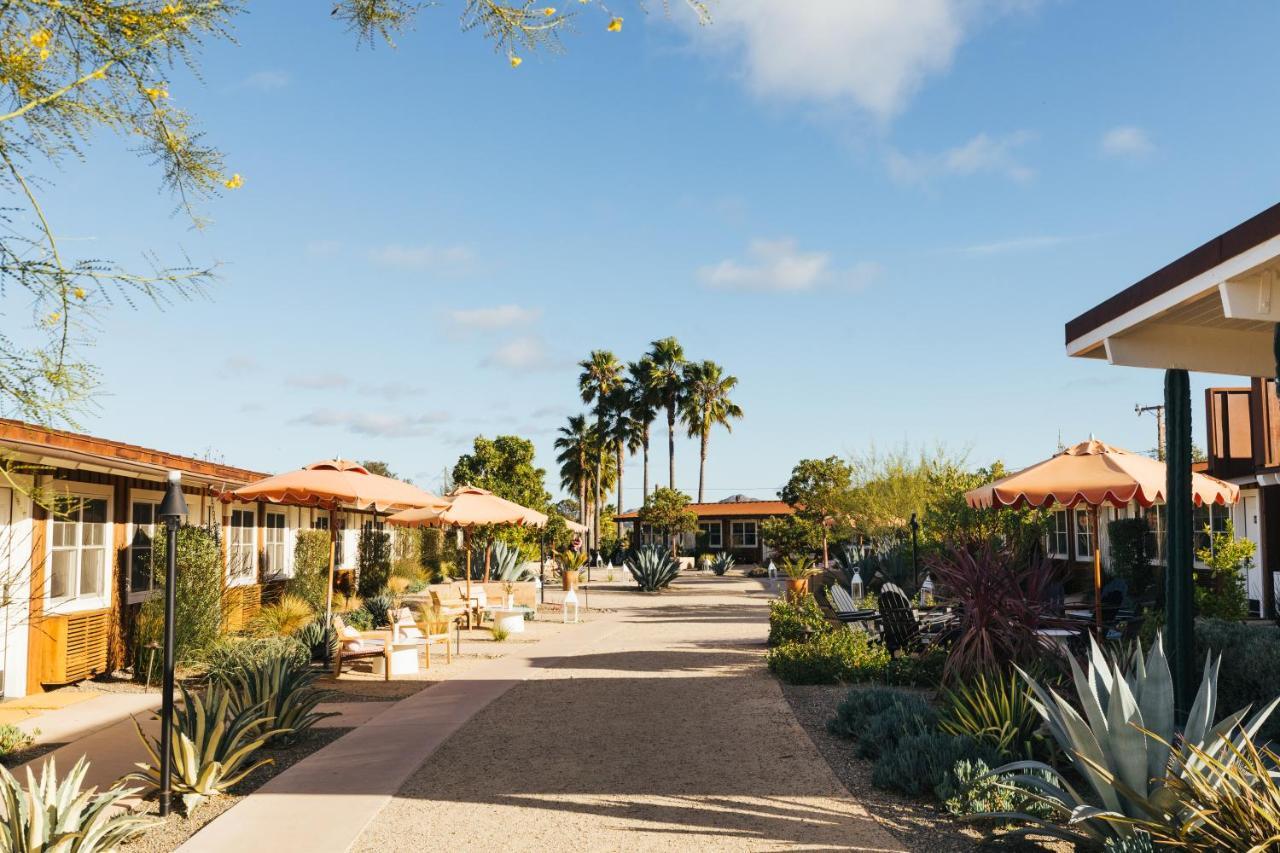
point(855, 587)
point(172, 509)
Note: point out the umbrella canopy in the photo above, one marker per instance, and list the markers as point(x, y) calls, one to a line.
point(337, 482)
point(469, 506)
point(1094, 473)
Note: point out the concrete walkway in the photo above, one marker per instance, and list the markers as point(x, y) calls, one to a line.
point(651, 728)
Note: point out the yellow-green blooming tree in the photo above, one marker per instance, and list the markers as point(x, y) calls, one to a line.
point(72, 69)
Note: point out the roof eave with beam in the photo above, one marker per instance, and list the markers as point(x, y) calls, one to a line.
point(1214, 310)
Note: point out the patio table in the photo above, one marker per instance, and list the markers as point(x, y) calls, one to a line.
point(510, 619)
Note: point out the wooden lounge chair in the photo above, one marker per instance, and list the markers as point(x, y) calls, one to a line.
point(433, 628)
point(901, 629)
point(451, 605)
point(361, 645)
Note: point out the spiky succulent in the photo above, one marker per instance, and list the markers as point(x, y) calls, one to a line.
point(48, 815)
point(722, 563)
point(653, 568)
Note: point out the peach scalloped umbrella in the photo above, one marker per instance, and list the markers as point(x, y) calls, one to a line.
point(468, 507)
point(336, 482)
point(1094, 473)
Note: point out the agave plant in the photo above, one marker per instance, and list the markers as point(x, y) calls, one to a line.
point(653, 567)
point(282, 689)
point(798, 568)
point(319, 637)
point(505, 565)
point(49, 815)
point(379, 609)
point(211, 746)
point(1122, 745)
point(722, 563)
point(996, 710)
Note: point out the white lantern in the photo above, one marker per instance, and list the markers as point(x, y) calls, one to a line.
point(926, 592)
point(855, 587)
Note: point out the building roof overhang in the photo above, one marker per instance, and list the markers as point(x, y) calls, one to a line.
point(1214, 310)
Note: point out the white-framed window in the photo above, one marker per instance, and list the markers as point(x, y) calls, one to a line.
point(1206, 520)
point(1084, 534)
point(1059, 535)
point(273, 542)
point(78, 564)
point(242, 545)
point(142, 519)
point(742, 534)
point(1155, 516)
point(713, 531)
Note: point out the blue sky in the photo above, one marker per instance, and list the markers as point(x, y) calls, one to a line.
point(877, 215)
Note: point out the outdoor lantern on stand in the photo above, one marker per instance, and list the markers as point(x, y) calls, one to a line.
point(855, 587)
point(172, 510)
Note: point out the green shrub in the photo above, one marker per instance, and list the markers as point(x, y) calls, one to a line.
point(360, 619)
point(373, 560)
point(863, 703)
point(794, 621)
point(829, 659)
point(416, 587)
point(406, 554)
point(1129, 558)
point(310, 580)
point(1250, 670)
point(283, 617)
point(923, 763)
point(908, 716)
point(14, 739)
point(234, 654)
point(923, 670)
point(198, 606)
point(971, 790)
point(1224, 595)
point(62, 817)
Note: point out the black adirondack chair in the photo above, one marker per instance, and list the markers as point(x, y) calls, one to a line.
point(900, 629)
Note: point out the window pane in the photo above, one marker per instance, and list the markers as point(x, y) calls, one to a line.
point(95, 511)
point(64, 534)
point(91, 562)
point(143, 513)
point(60, 573)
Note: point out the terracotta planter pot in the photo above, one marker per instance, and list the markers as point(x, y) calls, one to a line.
point(797, 587)
point(570, 580)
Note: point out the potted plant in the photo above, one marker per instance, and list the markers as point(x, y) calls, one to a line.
point(571, 562)
point(798, 570)
point(510, 589)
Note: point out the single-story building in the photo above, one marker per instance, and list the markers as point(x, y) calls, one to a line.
point(731, 525)
point(72, 580)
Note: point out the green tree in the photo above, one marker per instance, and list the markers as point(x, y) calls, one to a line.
point(1228, 560)
point(377, 466)
point(310, 580)
point(706, 404)
point(666, 386)
point(505, 466)
point(821, 491)
point(74, 71)
point(791, 536)
point(573, 443)
point(644, 409)
point(625, 431)
point(667, 511)
point(601, 377)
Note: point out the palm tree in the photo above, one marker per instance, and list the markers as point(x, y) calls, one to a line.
point(601, 376)
point(626, 433)
point(706, 404)
point(574, 444)
point(644, 409)
point(666, 382)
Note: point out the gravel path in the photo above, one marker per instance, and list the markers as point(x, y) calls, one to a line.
point(670, 734)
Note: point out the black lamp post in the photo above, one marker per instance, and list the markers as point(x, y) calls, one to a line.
point(172, 509)
point(915, 549)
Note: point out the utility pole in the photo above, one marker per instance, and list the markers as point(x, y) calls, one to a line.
point(1158, 411)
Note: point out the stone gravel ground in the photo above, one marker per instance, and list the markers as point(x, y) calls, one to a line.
point(669, 735)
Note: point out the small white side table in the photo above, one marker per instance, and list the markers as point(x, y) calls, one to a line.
point(510, 619)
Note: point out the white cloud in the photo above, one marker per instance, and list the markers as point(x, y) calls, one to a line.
point(983, 154)
point(1126, 141)
point(523, 354)
point(379, 424)
point(498, 317)
point(268, 81)
point(873, 53)
point(423, 258)
point(780, 266)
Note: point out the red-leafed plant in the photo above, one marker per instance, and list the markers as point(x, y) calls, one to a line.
point(1002, 601)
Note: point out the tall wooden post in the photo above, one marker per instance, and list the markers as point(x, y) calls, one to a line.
point(1178, 579)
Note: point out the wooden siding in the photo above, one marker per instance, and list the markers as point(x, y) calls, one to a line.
point(1230, 432)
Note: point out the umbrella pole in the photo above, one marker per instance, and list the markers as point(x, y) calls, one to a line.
point(466, 544)
point(1097, 571)
point(328, 592)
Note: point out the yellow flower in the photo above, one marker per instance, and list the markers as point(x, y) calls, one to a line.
point(100, 74)
point(615, 26)
point(79, 292)
point(44, 54)
point(515, 61)
point(54, 317)
point(234, 182)
point(549, 11)
point(172, 9)
point(40, 38)
point(157, 93)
